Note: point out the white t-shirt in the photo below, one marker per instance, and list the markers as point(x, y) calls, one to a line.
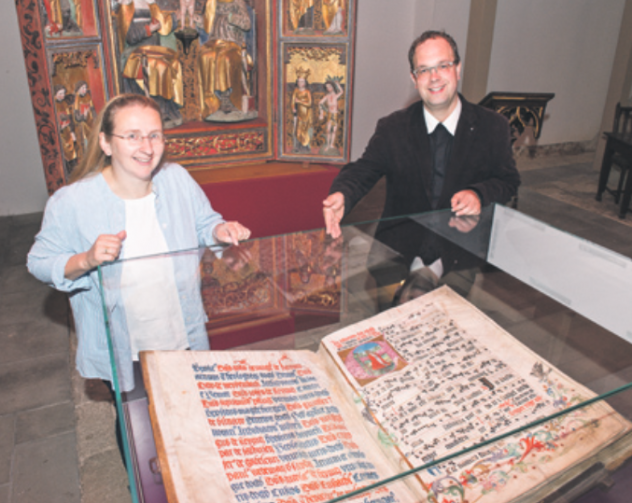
point(148, 285)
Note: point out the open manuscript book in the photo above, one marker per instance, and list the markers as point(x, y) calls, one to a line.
point(393, 392)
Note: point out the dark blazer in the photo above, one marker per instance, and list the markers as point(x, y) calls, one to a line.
point(481, 160)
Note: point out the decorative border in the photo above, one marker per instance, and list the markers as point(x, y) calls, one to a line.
point(189, 149)
point(37, 71)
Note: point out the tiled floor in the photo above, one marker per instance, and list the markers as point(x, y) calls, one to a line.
point(56, 430)
point(38, 446)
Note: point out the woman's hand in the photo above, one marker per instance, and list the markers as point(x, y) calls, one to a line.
point(231, 232)
point(106, 248)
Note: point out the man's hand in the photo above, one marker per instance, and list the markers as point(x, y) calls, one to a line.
point(466, 202)
point(464, 224)
point(333, 211)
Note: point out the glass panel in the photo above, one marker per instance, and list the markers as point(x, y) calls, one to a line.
point(558, 295)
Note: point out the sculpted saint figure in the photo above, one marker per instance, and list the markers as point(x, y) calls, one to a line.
point(149, 57)
point(302, 111)
point(63, 16)
point(332, 16)
point(84, 114)
point(66, 128)
point(225, 61)
point(328, 110)
point(301, 14)
point(187, 7)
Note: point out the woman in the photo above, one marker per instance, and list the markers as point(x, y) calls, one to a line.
point(124, 201)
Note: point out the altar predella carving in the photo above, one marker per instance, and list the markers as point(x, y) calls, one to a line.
point(236, 80)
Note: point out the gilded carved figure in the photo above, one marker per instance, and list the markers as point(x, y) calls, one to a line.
point(83, 114)
point(226, 62)
point(312, 17)
point(328, 112)
point(149, 58)
point(64, 112)
point(63, 17)
point(301, 105)
point(301, 14)
point(332, 16)
point(187, 7)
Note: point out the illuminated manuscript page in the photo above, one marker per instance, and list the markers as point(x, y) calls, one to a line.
point(436, 376)
point(258, 427)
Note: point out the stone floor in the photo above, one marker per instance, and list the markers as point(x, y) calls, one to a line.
point(56, 430)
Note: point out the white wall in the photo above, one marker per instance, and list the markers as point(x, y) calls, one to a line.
point(381, 83)
point(22, 182)
point(385, 30)
point(562, 46)
point(452, 16)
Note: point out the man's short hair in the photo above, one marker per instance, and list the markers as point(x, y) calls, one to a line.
point(426, 35)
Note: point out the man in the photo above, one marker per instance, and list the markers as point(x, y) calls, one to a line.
point(470, 167)
point(441, 152)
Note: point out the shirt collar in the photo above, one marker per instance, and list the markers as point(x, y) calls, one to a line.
point(450, 123)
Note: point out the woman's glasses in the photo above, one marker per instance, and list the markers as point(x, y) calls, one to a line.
point(135, 138)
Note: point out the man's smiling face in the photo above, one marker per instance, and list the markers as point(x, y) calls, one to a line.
point(438, 86)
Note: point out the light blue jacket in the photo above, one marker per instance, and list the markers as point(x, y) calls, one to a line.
point(76, 215)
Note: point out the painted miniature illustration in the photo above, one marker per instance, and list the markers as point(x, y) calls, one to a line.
point(371, 360)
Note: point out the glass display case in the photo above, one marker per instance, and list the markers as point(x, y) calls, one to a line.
point(498, 290)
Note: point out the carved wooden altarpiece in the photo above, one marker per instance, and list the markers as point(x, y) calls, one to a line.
point(238, 81)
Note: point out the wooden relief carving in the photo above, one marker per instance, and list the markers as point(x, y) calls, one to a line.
point(233, 78)
point(315, 101)
point(68, 18)
point(190, 149)
point(524, 111)
point(198, 60)
point(78, 95)
point(315, 17)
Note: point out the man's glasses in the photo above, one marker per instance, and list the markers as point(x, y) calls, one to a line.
point(442, 68)
point(135, 138)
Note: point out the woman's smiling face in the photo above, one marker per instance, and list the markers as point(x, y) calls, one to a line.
point(132, 160)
